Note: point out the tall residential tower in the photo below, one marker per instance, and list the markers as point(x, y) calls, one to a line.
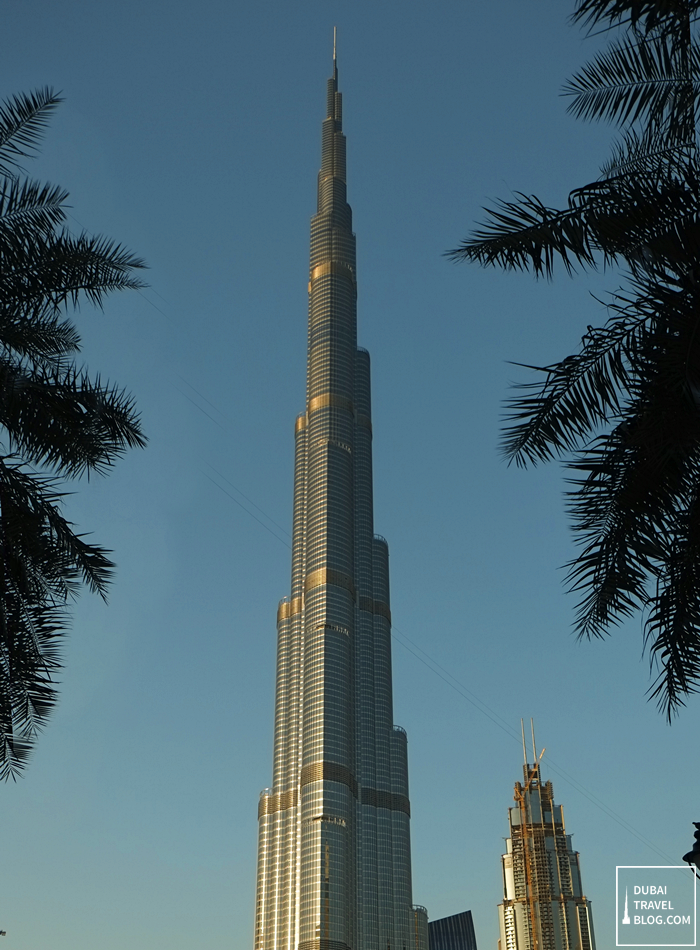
point(543, 907)
point(334, 865)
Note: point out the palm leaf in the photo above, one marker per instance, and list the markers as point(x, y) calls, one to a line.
point(630, 82)
point(525, 233)
point(625, 409)
point(32, 518)
point(672, 628)
point(579, 394)
point(42, 563)
point(44, 339)
point(649, 219)
point(651, 14)
point(55, 417)
point(29, 633)
point(49, 272)
point(28, 208)
point(23, 119)
point(657, 152)
point(63, 419)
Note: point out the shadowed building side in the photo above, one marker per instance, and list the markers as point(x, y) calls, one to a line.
point(334, 864)
point(453, 933)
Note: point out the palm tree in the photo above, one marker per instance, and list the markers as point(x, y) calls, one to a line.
point(57, 422)
point(625, 409)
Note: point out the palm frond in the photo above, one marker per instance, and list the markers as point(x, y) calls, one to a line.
point(23, 119)
point(95, 266)
point(654, 153)
point(55, 416)
point(633, 82)
point(42, 563)
point(639, 218)
point(50, 272)
point(616, 534)
point(29, 658)
point(525, 233)
point(625, 409)
point(28, 208)
point(65, 420)
point(672, 628)
point(579, 394)
point(45, 340)
point(44, 545)
point(647, 14)
point(625, 510)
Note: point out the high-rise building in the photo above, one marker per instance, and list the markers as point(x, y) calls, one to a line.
point(543, 903)
point(453, 933)
point(334, 864)
point(421, 928)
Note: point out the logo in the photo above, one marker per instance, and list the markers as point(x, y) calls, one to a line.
point(659, 906)
point(626, 918)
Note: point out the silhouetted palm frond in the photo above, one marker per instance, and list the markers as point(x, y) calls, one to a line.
point(29, 633)
point(28, 208)
point(65, 420)
point(49, 271)
point(648, 220)
point(42, 564)
point(645, 80)
point(46, 339)
point(54, 417)
point(639, 14)
point(624, 411)
point(23, 119)
point(657, 153)
point(578, 395)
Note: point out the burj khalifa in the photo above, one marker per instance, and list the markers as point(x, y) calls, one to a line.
point(334, 861)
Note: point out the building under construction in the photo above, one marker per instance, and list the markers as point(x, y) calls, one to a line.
point(543, 903)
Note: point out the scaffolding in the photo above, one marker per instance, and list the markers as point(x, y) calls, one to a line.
point(543, 907)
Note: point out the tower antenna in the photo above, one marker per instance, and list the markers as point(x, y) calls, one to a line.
point(534, 747)
point(522, 729)
point(312, 679)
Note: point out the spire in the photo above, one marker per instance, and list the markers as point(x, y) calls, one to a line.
point(334, 865)
point(334, 100)
point(331, 180)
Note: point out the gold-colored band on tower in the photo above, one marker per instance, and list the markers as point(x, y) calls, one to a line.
point(340, 775)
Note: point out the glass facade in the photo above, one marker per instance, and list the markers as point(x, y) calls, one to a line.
point(334, 862)
point(453, 933)
point(543, 907)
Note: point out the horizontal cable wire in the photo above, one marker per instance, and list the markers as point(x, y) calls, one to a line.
point(398, 635)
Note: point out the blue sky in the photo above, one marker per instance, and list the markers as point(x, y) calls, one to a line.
point(191, 132)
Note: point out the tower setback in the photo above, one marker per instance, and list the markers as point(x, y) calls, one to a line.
point(334, 866)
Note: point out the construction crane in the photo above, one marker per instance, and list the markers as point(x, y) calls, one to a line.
point(530, 873)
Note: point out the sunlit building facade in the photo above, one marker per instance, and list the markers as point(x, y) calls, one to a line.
point(334, 863)
point(543, 907)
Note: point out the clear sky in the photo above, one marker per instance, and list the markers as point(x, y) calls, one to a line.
point(191, 132)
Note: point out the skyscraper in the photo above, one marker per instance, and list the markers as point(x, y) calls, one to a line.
point(543, 903)
point(334, 866)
